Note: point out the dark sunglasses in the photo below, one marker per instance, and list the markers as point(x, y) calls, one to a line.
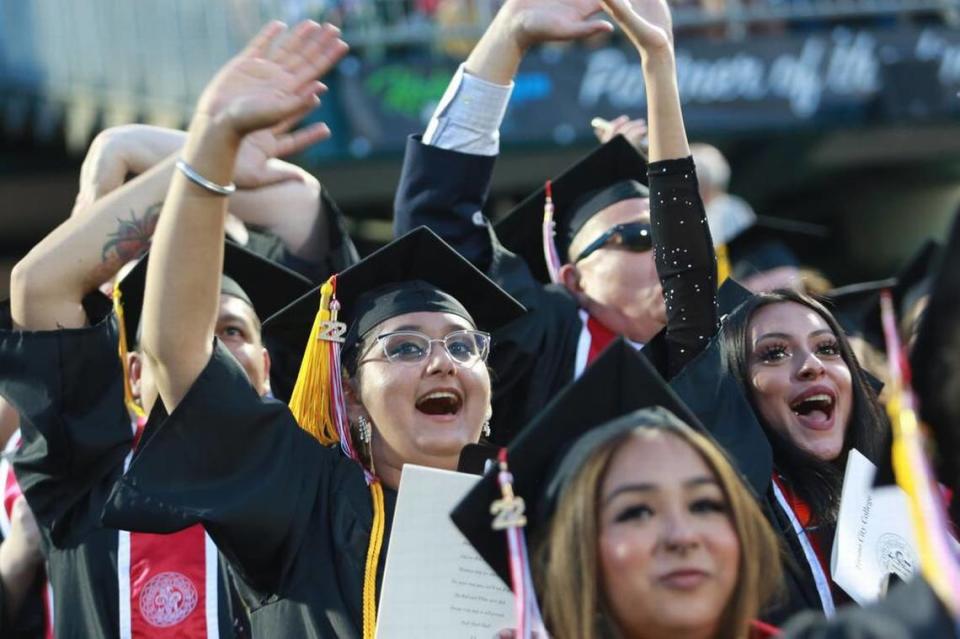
point(632, 236)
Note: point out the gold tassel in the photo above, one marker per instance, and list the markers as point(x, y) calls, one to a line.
point(312, 395)
point(131, 404)
point(373, 561)
point(312, 406)
point(723, 263)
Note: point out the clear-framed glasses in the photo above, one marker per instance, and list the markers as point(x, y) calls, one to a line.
point(632, 236)
point(465, 347)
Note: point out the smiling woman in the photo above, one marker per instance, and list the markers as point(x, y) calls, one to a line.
point(299, 500)
point(413, 389)
point(639, 525)
point(812, 397)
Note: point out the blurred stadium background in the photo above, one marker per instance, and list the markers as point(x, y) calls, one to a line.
point(840, 112)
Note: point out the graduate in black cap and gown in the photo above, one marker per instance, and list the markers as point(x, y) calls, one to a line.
point(279, 211)
point(638, 524)
point(82, 414)
point(300, 503)
point(592, 276)
point(81, 420)
point(914, 610)
point(935, 363)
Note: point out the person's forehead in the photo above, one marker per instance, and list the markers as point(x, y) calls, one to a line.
point(231, 306)
point(425, 321)
point(654, 457)
point(632, 210)
point(790, 318)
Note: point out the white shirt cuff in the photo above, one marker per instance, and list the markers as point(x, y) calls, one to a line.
point(469, 115)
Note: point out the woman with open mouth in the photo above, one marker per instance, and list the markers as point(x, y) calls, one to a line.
point(814, 403)
point(300, 500)
point(640, 527)
point(638, 524)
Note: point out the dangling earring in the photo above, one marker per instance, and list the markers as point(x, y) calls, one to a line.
point(363, 425)
point(486, 428)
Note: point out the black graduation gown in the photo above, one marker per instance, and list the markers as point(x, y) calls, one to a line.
point(534, 357)
point(67, 386)
point(910, 611)
point(721, 404)
point(935, 362)
point(292, 517)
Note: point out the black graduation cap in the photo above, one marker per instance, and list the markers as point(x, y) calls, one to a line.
point(857, 306)
point(730, 296)
point(935, 361)
point(616, 171)
point(852, 303)
point(720, 404)
point(543, 456)
point(262, 283)
point(763, 246)
point(416, 272)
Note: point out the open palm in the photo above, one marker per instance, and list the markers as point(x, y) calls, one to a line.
point(273, 83)
point(254, 168)
point(646, 22)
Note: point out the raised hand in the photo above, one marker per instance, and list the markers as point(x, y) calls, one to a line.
point(646, 22)
point(635, 131)
point(256, 162)
point(535, 21)
point(273, 83)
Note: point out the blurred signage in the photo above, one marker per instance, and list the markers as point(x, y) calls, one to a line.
point(840, 76)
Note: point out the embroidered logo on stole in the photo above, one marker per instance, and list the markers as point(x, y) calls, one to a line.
point(168, 583)
point(167, 599)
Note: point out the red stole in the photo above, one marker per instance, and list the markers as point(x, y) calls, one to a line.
point(11, 491)
point(798, 512)
point(167, 583)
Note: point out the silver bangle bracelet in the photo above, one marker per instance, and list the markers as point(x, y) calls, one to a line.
point(203, 182)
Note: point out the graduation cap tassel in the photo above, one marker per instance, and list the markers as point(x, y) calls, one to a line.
point(509, 516)
point(373, 561)
point(549, 232)
point(938, 562)
point(128, 399)
point(723, 263)
point(315, 402)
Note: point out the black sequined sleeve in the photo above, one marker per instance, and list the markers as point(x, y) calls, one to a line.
point(685, 259)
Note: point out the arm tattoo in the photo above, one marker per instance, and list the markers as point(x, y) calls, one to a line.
point(132, 237)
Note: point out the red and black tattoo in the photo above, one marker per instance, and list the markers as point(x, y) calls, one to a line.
point(132, 237)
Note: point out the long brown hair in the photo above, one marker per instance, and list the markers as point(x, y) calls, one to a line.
point(817, 482)
point(566, 565)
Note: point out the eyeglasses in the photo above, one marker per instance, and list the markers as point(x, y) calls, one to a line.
point(465, 348)
point(632, 236)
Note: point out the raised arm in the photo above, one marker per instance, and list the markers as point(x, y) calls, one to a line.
point(685, 259)
point(446, 177)
point(266, 86)
point(48, 285)
point(119, 151)
point(113, 224)
point(648, 25)
point(274, 195)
